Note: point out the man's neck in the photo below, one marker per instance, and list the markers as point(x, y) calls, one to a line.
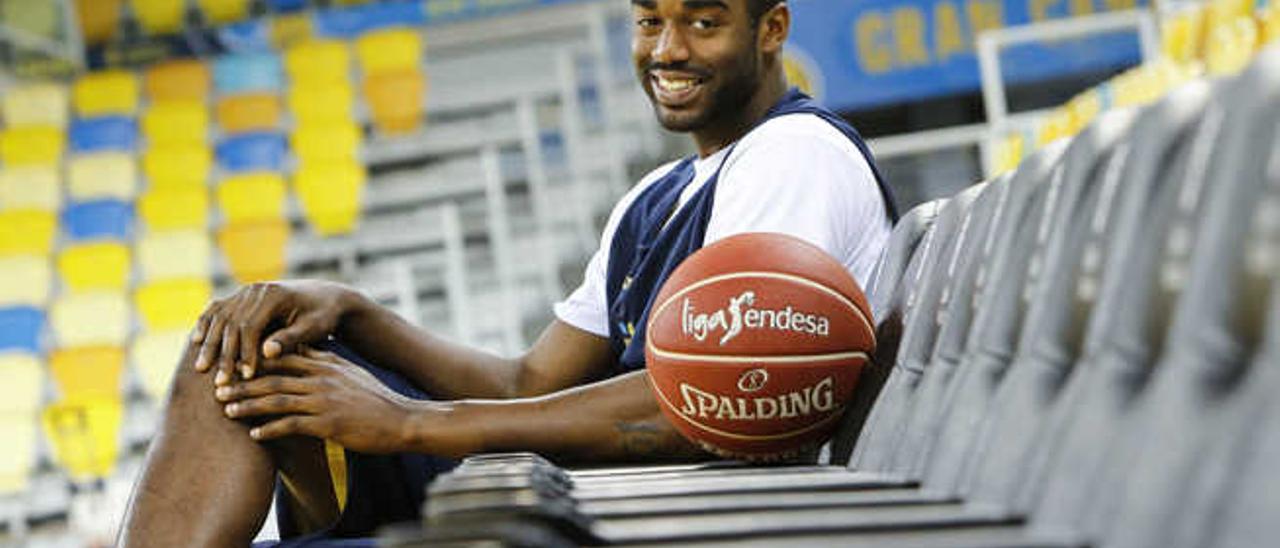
point(716, 137)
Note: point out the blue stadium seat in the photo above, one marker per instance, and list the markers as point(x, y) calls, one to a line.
point(103, 133)
point(286, 5)
point(20, 329)
point(353, 21)
point(98, 219)
point(256, 151)
point(241, 72)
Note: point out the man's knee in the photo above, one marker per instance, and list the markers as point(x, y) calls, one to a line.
point(189, 387)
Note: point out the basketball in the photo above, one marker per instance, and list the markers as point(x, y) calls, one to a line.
point(755, 344)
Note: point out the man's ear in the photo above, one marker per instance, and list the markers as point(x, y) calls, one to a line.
point(774, 26)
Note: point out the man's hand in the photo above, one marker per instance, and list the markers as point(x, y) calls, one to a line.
point(321, 395)
point(230, 329)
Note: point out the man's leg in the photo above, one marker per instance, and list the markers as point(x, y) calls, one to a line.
point(205, 482)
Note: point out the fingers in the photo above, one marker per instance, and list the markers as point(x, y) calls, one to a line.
point(259, 311)
point(288, 338)
point(275, 404)
point(228, 353)
point(290, 426)
point(293, 364)
point(264, 386)
point(210, 344)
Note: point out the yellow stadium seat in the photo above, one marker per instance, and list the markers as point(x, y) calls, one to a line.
point(396, 100)
point(172, 304)
point(252, 197)
point(87, 372)
point(175, 208)
point(390, 50)
point(178, 80)
point(1181, 34)
point(24, 280)
point(177, 166)
point(327, 142)
point(224, 11)
point(155, 356)
point(98, 19)
point(159, 16)
point(28, 145)
point(1230, 46)
point(106, 92)
point(23, 385)
point(330, 193)
point(99, 318)
point(31, 187)
point(1269, 20)
point(176, 122)
point(27, 231)
point(175, 254)
point(18, 430)
point(330, 104)
point(318, 63)
point(96, 265)
point(255, 252)
point(42, 104)
point(85, 435)
point(248, 112)
point(102, 175)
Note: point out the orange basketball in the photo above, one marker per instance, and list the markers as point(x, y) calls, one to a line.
point(755, 343)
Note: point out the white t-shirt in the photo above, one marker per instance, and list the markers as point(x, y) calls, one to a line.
point(795, 174)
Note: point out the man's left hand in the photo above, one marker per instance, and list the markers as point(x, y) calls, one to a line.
point(319, 394)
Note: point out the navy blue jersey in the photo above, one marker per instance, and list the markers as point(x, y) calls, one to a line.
point(653, 236)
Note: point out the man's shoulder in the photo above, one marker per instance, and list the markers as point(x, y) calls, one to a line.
point(797, 131)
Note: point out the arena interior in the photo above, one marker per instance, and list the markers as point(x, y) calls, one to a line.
point(1075, 320)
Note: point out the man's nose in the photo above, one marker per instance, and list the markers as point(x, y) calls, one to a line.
point(671, 46)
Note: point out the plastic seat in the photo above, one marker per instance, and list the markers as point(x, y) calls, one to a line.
point(177, 80)
point(330, 193)
point(39, 104)
point(177, 166)
point(252, 197)
point(87, 372)
point(24, 280)
point(223, 11)
point(103, 133)
point(32, 145)
point(390, 50)
point(286, 5)
point(102, 175)
point(27, 232)
point(85, 435)
point(98, 219)
point(175, 208)
point(172, 304)
point(20, 395)
point(99, 318)
point(396, 100)
point(257, 151)
point(328, 104)
point(326, 143)
point(318, 63)
point(175, 254)
point(248, 112)
point(20, 330)
point(30, 187)
point(155, 356)
point(245, 72)
point(255, 252)
point(159, 16)
point(176, 122)
point(99, 19)
point(95, 265)
point(106, 92)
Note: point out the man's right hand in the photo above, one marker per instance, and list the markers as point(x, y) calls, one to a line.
point(232, 334)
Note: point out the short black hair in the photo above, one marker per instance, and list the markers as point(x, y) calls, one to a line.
point(757, 8)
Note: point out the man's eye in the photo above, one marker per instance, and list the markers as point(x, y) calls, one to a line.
point(647, 22)
point(704, 24)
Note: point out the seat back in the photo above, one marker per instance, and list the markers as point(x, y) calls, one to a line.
point(103, 133)
point(1117, 344)
point(884, 292)
point(105, 92)
point(245, 72)
point(98, 219)
point(177, 80)
point(895, 395)
point(256, 151)
point(21, 329)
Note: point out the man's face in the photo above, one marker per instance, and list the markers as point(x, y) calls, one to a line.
point(697, 60)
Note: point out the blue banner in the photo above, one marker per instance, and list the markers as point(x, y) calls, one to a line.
point(856, 54)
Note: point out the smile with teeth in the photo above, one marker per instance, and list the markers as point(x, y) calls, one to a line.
point(674, 84)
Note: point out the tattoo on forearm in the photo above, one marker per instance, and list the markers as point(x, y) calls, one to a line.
point(649, 440)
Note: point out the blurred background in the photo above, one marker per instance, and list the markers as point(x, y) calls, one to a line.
point(453, 158)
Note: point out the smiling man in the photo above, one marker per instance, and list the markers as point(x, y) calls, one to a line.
point(296, 362)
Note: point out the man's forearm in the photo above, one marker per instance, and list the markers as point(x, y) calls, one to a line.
point(616, 420)
point(455, 371)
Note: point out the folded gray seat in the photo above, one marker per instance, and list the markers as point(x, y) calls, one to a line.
point(1181, 411)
